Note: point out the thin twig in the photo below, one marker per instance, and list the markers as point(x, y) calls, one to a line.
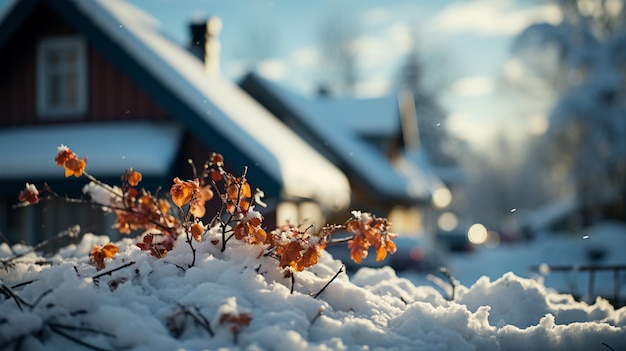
point(203, 322)
point(3, 237)
point(6, 291)
point(609, 347)
point(125, 208)
point(80, 329)
point(23, 284)
point(318, 315)
point(34, 304)
point(451, 279)
point(97, 276)
point(339, 241)
point(188, 238)
point(330, 281)
point(230, 218)
point(75, 339)
point(69, 232)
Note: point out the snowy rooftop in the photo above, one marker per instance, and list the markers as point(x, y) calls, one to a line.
point(112, 148)
point(227, 109)
point(223, 106)
point(341, 124)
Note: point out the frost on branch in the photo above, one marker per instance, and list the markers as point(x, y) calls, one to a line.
point(140, 211)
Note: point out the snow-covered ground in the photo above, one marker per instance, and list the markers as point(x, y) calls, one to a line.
point(602, 244)
point(235, 300)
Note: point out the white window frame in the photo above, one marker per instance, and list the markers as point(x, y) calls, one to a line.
point(45, 108)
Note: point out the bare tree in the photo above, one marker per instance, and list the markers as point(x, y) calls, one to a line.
point(338, 33)
point(412, 76)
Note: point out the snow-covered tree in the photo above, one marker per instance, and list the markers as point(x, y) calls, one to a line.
point(581, 62)
point(440, 145)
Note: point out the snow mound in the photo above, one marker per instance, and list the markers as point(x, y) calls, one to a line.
point(63, 302)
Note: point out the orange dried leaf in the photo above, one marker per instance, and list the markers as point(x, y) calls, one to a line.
point(63, 154)
point(217, 159)
point(242, 319)
point(216, 176)
point(309, 257)
point(197, 229)
point(134, 177)
point(74, 167)
point(238, 189)
point(99, 253)
point(202, 195)
point(182, 191)
point(381, 253)
point(250, 231)
point(110, 250)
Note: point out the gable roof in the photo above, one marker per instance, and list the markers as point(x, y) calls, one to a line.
point(337, 127)
point(209, 106)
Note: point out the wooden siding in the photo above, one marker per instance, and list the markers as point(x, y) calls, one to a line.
point(112, 95)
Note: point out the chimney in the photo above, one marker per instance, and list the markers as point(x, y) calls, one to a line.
point(408, 120)
point(205, 43)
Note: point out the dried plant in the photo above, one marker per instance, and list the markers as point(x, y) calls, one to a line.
point(139, 210)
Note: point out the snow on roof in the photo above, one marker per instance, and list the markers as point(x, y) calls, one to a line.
point(111, 148)
point(4, 11)
point(409, 177)
point(230, 111)
point(368, 117)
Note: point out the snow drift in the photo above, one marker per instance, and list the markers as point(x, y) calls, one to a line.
point(63, 302)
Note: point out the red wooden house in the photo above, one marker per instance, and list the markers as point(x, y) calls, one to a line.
point(99, 77)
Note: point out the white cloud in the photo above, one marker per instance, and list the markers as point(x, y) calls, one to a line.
point(466, 127)
point(372, 51)
point(373, 87)
point(386, 49)
point(402, 36)
point(494, 17)
point(272, 69)
point(474, 86)
point(305, 56)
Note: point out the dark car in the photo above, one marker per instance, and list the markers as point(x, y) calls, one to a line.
point(412, 254)
point(455, 241)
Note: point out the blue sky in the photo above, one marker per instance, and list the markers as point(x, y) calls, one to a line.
point(471, 38)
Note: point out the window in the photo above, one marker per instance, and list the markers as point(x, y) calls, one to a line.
point(61, 77)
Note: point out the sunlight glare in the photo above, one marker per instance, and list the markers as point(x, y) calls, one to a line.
point(442, 197)
point(538, 124)
point(477, 234)
point(447, 221)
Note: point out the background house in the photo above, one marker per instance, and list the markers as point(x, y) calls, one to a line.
point(99, 77)
point(374, 141)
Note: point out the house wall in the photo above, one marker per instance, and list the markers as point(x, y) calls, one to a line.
point(112, 96)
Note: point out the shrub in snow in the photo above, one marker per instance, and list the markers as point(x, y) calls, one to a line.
point(139, 209)
point(181, 288)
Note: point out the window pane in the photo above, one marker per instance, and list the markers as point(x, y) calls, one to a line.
point(54, 57)
point(71, 89)
point(71, 57)
point(62, 77)
point(54, 90)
